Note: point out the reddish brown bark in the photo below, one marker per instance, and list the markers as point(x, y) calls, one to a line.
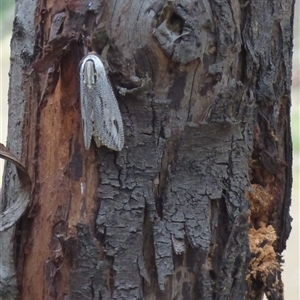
point(204, 92)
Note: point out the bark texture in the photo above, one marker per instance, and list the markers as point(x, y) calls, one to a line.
point(196, 205)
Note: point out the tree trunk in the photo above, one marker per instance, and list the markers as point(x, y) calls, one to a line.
point(196, 205)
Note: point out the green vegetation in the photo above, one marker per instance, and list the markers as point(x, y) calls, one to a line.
point(5, 6)
point(6, 17)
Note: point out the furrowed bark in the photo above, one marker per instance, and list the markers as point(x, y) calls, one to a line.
point(196, 205)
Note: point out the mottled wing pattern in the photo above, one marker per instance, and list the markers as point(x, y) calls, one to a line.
point(108, 124)
point(86, 94)
point(100, 110)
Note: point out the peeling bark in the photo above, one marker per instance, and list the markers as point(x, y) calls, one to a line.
point(204, 92)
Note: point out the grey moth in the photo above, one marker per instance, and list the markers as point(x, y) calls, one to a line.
point(101, 117)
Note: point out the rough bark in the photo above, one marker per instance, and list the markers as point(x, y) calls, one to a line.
point(196, 205)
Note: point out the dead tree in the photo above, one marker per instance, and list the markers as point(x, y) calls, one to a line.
point(196, 204)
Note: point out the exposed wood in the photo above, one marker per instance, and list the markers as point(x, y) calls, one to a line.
point(196, 205)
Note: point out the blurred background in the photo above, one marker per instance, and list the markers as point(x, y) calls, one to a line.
point(291, 255)
point(6, 19)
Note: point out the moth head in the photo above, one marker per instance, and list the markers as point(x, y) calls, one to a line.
point(89, 73)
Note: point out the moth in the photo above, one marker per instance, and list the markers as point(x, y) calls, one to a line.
point(101, 117)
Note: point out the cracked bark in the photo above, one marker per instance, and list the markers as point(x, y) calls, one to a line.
point(204, 92)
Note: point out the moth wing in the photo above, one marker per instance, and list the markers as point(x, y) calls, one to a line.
point(86, 104)
point(108, 125)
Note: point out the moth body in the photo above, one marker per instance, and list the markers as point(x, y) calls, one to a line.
point(90, 74)
point(101, 117)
